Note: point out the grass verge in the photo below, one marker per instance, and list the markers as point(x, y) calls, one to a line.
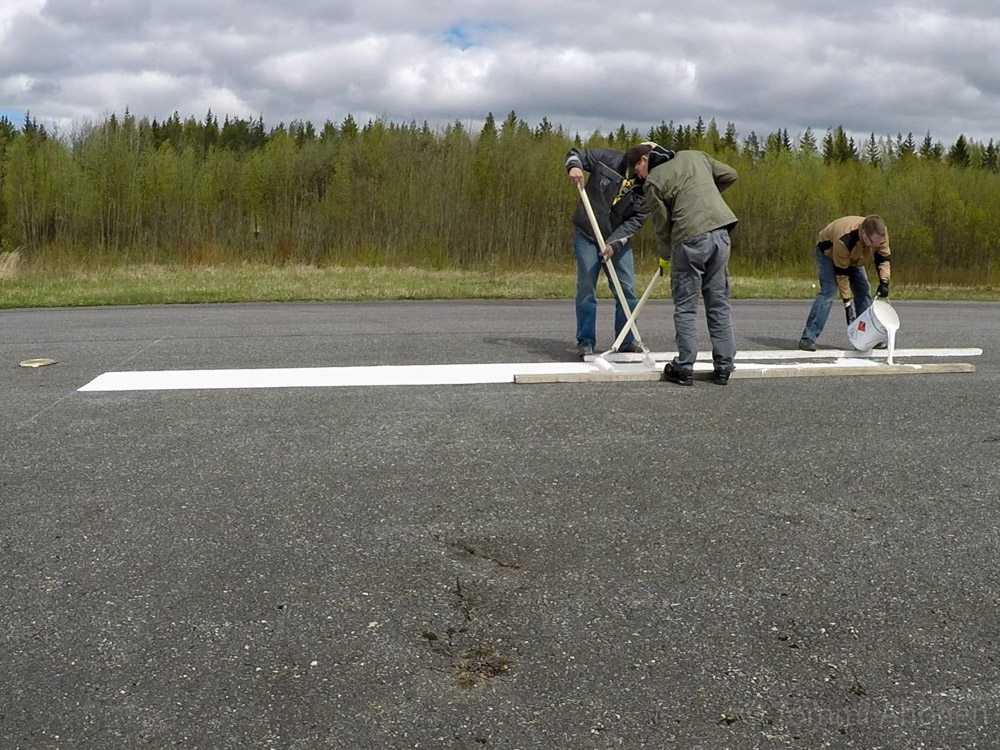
point(155, 284)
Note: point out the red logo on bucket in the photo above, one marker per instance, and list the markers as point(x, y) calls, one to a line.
point(861, 326)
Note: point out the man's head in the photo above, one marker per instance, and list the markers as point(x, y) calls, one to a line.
point(637, 159)
point(646, 156)
point(872, 231)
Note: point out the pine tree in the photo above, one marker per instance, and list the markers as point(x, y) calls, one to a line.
point(619, 139)
point(828, 147)
point(663, 134)
point(958, 154)
point(872, 155)
point(489, 131)
point(209, 131)
point(7, 130)
point(807, 143)
point(990, 161)
point(698, 135)
point(851, 152)
point(731, 138)
point(329, 132)
point(837, 147)
point(683, 137)
point(908, 147)
point(777, 143)
point(349, 128)
point(33, 130)
point(929, 150)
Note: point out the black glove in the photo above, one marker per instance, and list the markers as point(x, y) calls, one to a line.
point(883, 289)
point(849, 310)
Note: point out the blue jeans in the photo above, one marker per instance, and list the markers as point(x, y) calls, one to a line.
point(820, 310)
point(700, 266)
point(588, 269)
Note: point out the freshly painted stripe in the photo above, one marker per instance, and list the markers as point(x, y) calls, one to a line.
point(325, 377)
point(465, 374)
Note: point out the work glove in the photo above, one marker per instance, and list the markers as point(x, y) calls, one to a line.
point(883, 289)
point(849, 310)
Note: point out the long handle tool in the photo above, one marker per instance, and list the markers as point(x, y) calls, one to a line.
point(661, 269)
point(613, 276)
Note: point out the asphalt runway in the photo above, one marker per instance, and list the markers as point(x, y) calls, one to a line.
point(783, 563)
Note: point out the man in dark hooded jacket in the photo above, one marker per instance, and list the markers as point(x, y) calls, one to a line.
point(692, 222)
point(620, 213)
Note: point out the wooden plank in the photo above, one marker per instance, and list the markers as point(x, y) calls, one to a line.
point(797, 354)
point(748, 371)
point(815, 371)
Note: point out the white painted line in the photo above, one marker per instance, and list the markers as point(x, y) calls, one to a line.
point(795, 354)
point(465, 374)
point(325, 377)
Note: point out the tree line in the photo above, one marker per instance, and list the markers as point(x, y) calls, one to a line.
point(130, 189)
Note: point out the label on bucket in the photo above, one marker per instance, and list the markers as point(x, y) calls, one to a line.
point(870, 328)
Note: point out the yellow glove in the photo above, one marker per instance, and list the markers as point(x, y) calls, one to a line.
point(664, 266)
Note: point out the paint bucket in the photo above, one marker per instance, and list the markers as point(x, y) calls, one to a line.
point(873, 326)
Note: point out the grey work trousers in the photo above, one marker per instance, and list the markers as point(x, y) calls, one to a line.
point(700, 265)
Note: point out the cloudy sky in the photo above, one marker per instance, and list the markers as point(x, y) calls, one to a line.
point(912, 66)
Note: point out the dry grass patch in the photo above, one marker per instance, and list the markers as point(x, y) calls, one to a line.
point(9, 261)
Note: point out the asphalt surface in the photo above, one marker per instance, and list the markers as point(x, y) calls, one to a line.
point(778, 563)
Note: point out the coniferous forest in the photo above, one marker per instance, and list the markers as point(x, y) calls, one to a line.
point(134, 190)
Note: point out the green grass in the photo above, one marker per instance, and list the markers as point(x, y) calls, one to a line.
point(156, 284)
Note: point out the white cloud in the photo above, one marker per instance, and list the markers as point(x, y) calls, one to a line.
point(913, 66)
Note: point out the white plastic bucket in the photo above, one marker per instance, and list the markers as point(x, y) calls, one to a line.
point(873, 326)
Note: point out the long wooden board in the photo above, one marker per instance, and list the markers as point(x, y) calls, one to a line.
point(750, 371)
point(797, 354)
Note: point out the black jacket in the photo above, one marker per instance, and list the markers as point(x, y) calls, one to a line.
point(606, 172)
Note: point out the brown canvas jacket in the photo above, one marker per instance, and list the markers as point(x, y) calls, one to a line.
point(840, 241)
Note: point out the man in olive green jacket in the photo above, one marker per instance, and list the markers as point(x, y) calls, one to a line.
point(692, 224)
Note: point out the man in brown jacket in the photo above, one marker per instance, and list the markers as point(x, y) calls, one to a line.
point(842, 249)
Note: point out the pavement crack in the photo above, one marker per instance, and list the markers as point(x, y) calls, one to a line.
point(468, 548)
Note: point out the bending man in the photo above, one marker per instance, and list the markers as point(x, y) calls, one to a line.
point(842, 249)
point(620, 213)
point(692, 223)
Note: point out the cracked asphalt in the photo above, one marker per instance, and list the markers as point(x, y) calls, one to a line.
point(784, 563)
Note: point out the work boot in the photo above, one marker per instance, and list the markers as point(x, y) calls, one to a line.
point(672, 375)
point(807, 345)
point(585, 350)
point(721, 377)
point(631, 348)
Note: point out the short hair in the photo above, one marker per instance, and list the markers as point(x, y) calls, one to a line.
point(636, 153)
point(873, 224)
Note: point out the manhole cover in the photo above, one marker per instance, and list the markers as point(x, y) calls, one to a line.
point(38, 362)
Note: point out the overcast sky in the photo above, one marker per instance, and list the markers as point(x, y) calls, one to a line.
point(888, 68)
